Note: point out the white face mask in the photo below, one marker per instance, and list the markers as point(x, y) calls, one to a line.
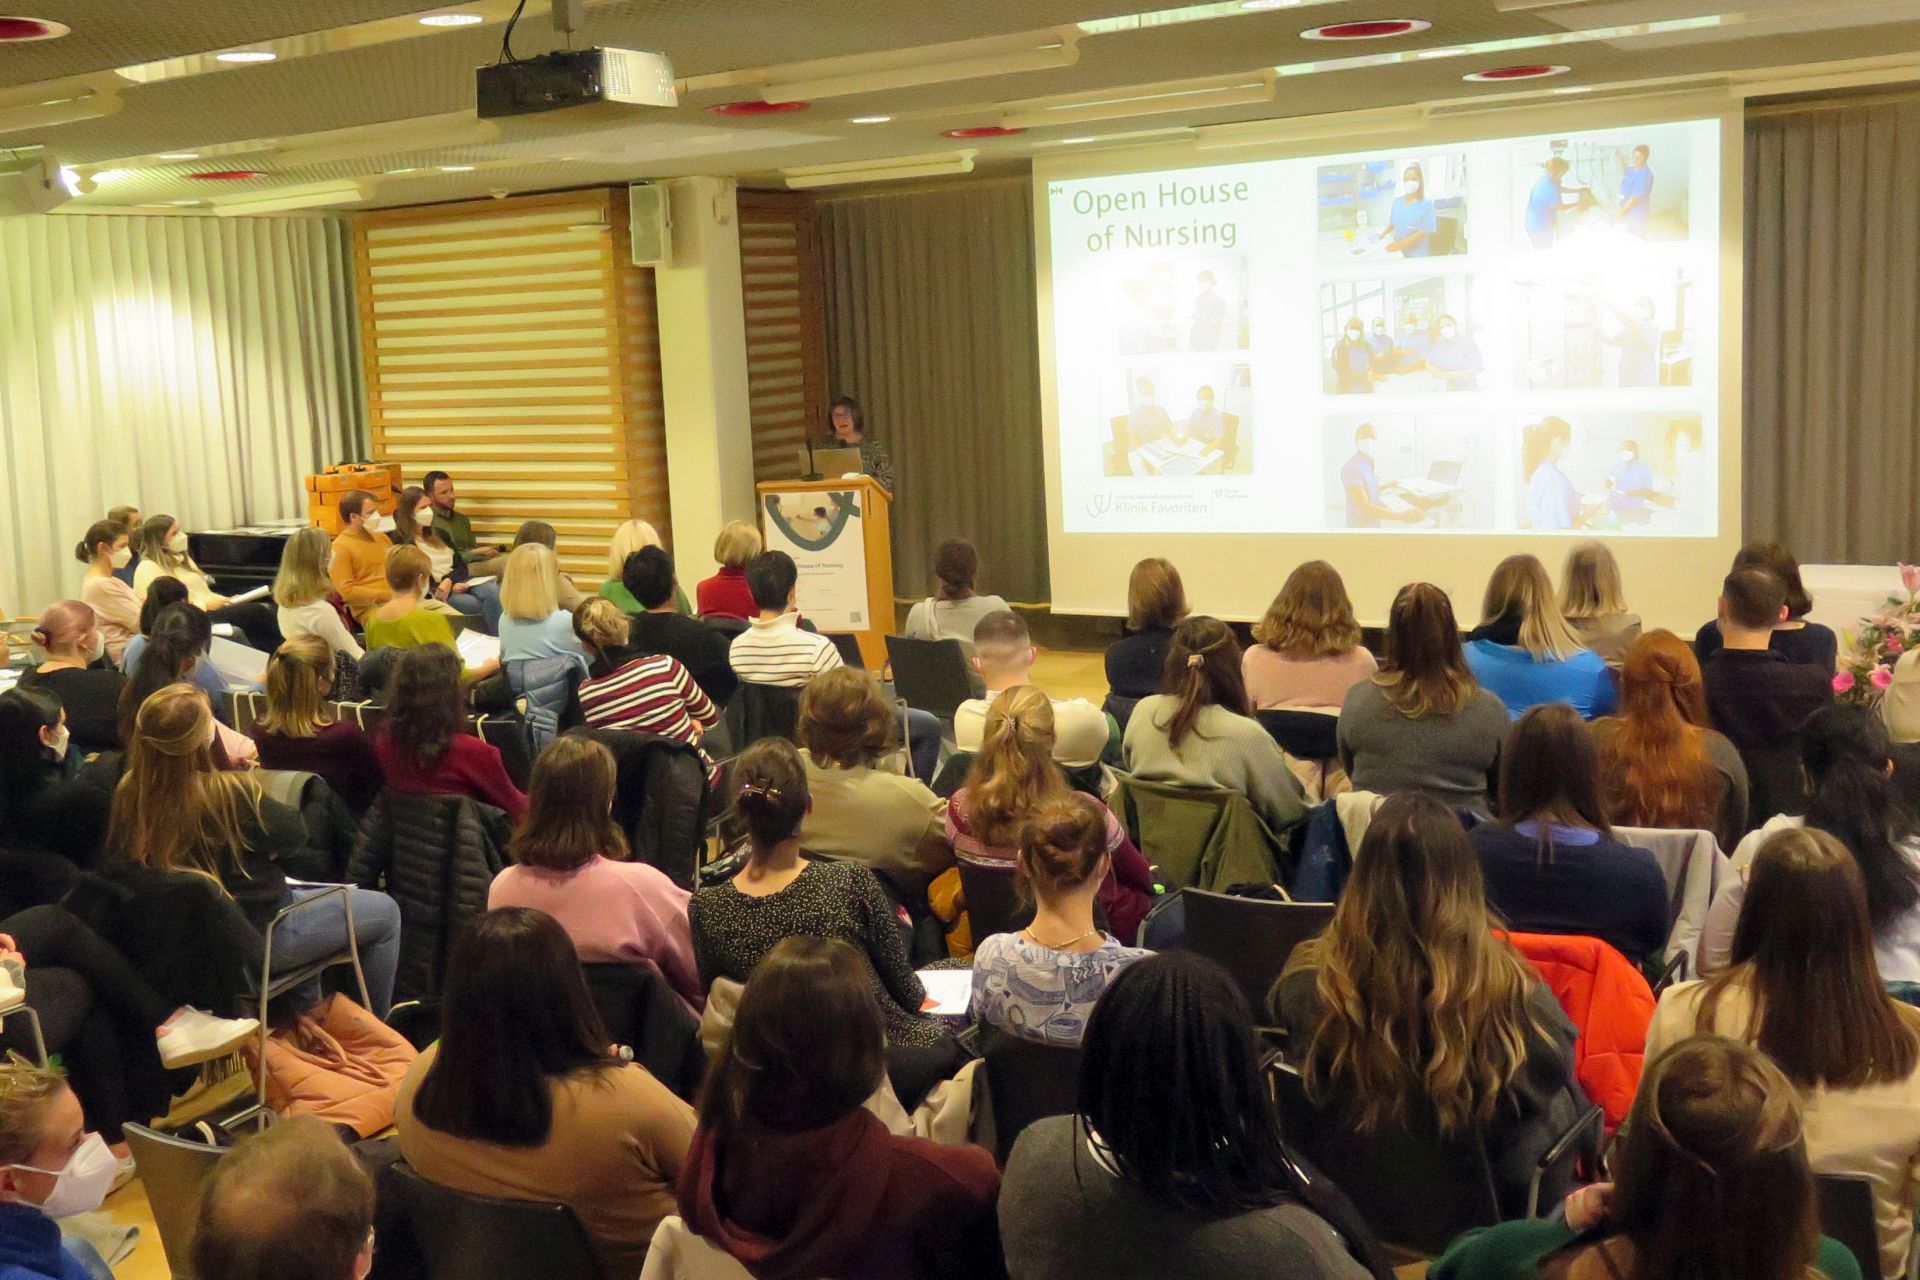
point(82, 1185)
point(1410, 188)
point(1447, 331)
point(120, 557)
point(1353, 335)
point(423, 516)
point(1365, 447)
point(1625, 456)
point(377, 523)
point(59, 747)
point(178, 542)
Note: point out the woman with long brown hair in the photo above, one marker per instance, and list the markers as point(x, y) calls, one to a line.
point(1710, 1182)
point(1307, 651)
point(1198, 730)
point(1156, 602)
point(1803, 988)
point(1423, 723)
point(1660, 766)
point(1409, 1010)
point(1524, 651)
point(175, 810)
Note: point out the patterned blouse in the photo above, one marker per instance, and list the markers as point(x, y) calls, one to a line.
point(1041, 994)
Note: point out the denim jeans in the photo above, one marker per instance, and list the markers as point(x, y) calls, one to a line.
point(480, 600)
point(318, 932)
point(923, 741)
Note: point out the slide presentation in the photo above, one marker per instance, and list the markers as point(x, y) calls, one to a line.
point(1476, 344)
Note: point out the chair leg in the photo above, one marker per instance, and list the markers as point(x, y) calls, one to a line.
point(33, 1025)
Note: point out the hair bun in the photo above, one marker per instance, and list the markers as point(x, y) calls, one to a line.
point(40, 636)
point(1195, 660)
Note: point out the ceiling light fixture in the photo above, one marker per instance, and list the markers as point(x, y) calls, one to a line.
point(176, 155)
point(1530, 71)
point(228, 175)
point(391, 173)
point(314, 195)
point(451, 19)
point(22, 29)
point(246, 55)
point(1369, 29)
point(870, 120)
point(1256, 6)
point(456, 168)
point(755, 107)
point(1147, 100)
point(42, 106)
point(891, 169)
point(1074, 142)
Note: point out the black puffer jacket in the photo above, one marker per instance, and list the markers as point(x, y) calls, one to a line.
point(660, 799)
point(436, 856)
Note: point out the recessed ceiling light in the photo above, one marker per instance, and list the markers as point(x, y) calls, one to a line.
point(1575, 88)
point(176, 155)
point(1531, 71)
point(246, 55)
point(451, 19)
point(1070, 142)
point(870, 120)
point(392, 172)
point(1257, 5)
point(1367, 29)
point(755, 107)
point(14, 29)
point(982, 131)
point(456, 168)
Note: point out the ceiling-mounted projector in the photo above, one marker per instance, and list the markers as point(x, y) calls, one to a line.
point(570, 78)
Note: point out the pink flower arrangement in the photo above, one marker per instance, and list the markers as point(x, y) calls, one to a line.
point(1843, 682)
point(1868, 658)
point(1882, 677)
point(1910, 578)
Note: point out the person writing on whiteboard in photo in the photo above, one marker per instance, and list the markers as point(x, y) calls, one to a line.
point(1361, 481)
point(847, 430)
point(1552, 501)
point(1411, 220)
point(1454, 357)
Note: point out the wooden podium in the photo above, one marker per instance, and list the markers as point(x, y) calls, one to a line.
point(837, 532)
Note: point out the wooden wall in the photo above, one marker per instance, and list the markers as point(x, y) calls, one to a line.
point(786, 327)
point(513, 344)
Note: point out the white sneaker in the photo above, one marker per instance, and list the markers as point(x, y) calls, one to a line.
point(191, 1036)
point(12, 996)
point(123, 1171)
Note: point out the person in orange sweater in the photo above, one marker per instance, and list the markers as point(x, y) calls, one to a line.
point(359, 568)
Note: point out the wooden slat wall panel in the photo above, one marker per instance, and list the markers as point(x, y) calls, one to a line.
point(786, 327)
point(511, 345)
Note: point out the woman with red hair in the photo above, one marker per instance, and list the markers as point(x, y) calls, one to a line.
point(1660, 765)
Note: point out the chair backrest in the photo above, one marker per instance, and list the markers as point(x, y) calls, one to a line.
point(509, 733)
point(1250, 938)
point(435, 855)
point(726, 624)
point(849, 647)
point(1415, 1189)
point(1304, 735)
point(660, 799)
point(172, 1171)
point(641, 1011)
point(953, 774)
point(1026, 1081)
point(1846, 1214)
point(1120, 708)
point(462, 1236)
point(993, 901)
point(930, 674)
point(759, 711)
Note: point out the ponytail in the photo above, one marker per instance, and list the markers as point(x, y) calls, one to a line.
point(1846, 752)
point(1014, 773)
point(1203, 670)
point(98, 532)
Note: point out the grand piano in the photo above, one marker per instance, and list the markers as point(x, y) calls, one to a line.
point(242, 558)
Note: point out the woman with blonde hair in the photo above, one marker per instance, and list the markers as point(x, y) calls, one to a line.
point(1410, 1011)
point(532, 622)
point(1594, 603)
point(302, 589)
point(726, 594)
point(1660, 766)
point(162, 547)
point(1524, 651)
point(1307, 652)
point(1198, 732)
point(627, 539)
point(301, 735)
point(223, 826)
point(639, 692)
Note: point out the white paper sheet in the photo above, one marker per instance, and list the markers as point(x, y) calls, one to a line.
point(950, 990)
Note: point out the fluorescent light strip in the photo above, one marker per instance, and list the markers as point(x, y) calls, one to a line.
point(890, 169)
point(1190, 13)
point(1051, 57)
point(284, 199)
point(1086, 109)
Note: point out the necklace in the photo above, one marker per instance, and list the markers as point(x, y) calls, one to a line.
point(1061, 946)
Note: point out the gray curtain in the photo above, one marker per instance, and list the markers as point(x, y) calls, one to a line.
point(1832, 400)
point(931, 317)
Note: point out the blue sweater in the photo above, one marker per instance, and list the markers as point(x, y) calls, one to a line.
point(1584, 884)
point(1522, 681)
point(30, 1247)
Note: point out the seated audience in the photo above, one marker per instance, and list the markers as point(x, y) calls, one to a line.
point(661, 628)
point(1805, 990)
point(642, 693)
point(1411, 1010)
point(773, 649)
point(1423, 723)
point(522, 1097)
point(456, 528)
point(1660, 766)
point(1004, 655)
point(1040, 983)
point(405, 622)
point(162, 547)
point(164, 592)
point(778, 894)
point(538, 533)
point(1792, 636)
point(1173, 1163)
point(864, 809)
point(1551, 862)
point(50, 1167)
point(1846, 757)
point(533, 621)
point(299, 732)
point(224, 826)
point(1524, 651)
point(175, 653)
point(130, 519)
point(1012, 780)
point(1710, 1179)
point(726, 594)
point(452, 583)
point(1156, 602)
point(288, 1203)
point(72, 668)
point(792, 1176)
point(303, 589)
point(1594, 604)
point(359, 565)
point(1199, 733)
point(104, 551)
point(42, 806)
point(1756, 694)
point(632, 536)
point(423, 744)
point(572, 862)
point(1307, 651)
point(955, 609)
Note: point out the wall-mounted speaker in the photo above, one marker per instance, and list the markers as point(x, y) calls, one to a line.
point(650, 222)
point(33, 187)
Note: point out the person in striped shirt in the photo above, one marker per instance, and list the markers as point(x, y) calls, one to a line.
point(647, 693)
point(773, 649)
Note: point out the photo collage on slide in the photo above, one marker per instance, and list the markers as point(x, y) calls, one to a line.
point(1182, 335)
point(1507, 337)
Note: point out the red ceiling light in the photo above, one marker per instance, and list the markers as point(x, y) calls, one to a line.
point(228, 175)
point(754, 107)
point(1371, 29)
point(1531, 71)
point(982, 131)
point(30, 29)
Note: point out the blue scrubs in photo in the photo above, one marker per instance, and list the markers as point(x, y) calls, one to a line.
point(1637, 181)
point(1543, 205)
point(1458, 354)
point(1352, 362)
point(1552, 501)
point(1628, 477)
point(1408, 216)
point(1640, 354)
point(1358, 473)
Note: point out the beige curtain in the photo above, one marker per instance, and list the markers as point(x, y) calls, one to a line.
point(930, 325)
point(1832, 402)
point(195, 366)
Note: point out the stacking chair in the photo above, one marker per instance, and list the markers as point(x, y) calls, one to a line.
point(931, 675)
point(461, 1236)
point(1025, 1081)
point(16, 1002)
point(1846, 1214)
point(993, 902)
point(172, 1171)
point(1249, 937)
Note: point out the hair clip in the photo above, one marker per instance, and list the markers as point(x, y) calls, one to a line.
point(1194, 660)
point(759, 789)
